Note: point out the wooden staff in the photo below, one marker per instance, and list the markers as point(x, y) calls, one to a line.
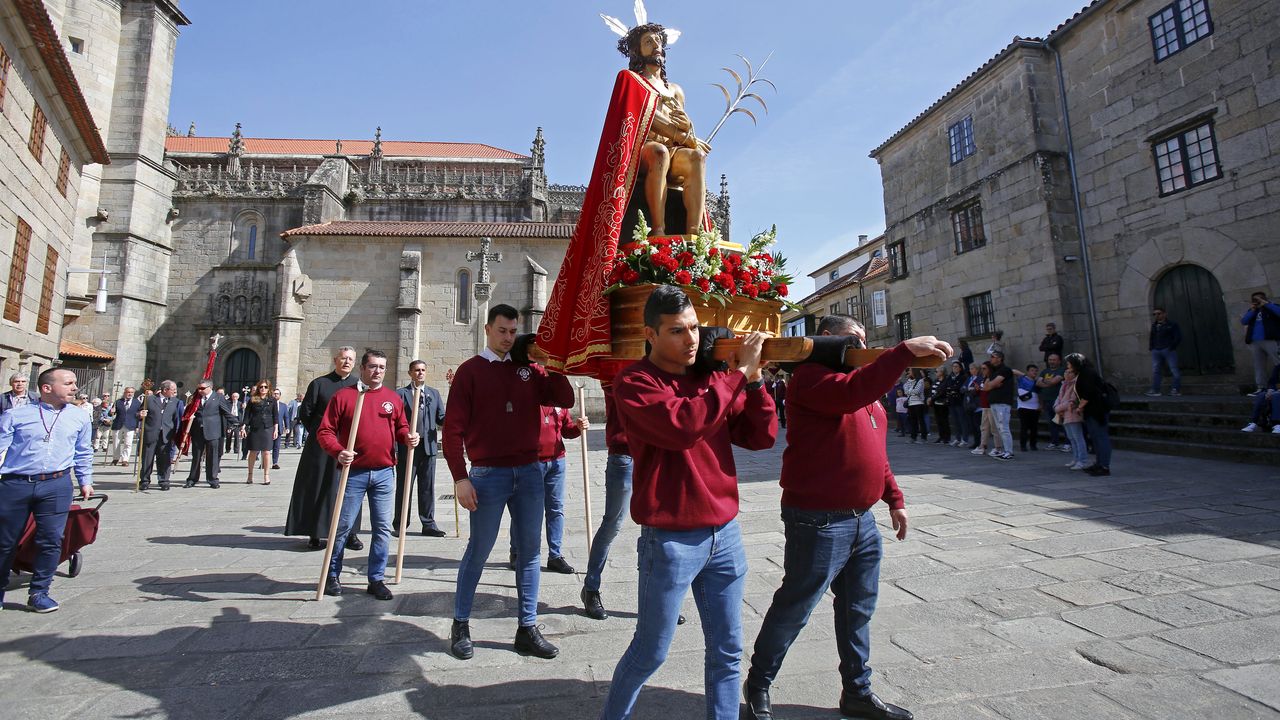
point(408, 485)
point(137, 464)
point(586, 471)
point(787, 350)
point(342, 491)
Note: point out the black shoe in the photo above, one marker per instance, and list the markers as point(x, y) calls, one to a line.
point(143, 487)
point(870, 706)
point(379, 590)
point(529, 641)
point(395, 529)
point(353, 543)
point(680, 620)
point(460, 641)
point(275, 467)
point(758, 707)
point(189, 484)
point(1099, 471)
point(333, 587)
point(164, 487)
point(433, 532)
point(591, 603)
point(215, 484)
point(558, 565)
point(511, 561)
point(314, 544)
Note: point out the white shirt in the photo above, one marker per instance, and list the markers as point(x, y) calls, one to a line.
point(492, 356)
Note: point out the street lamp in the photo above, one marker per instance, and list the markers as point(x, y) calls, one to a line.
point(100, 301)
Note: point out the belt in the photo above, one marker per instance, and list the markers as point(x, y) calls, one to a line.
point(38, 477)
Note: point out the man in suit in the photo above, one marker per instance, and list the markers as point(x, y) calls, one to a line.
point(124, 422)
point(211, 423)
point(284, 420)
point(18, 394)
point(161, 417)
point(423, 457)
point(233, 438)
point(297, 431)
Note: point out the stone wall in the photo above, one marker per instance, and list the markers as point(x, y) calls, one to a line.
point(1121, 100)
point(28, 191)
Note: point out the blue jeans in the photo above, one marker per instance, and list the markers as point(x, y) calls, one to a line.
point(553, 501)
point(519, 488)
point(617, 500)
point(49, 501)
point(1259, 406)
point(380, 486)
point(1101, 441)
point(1167, 357)
point(1079, 448)
point(711, 561)
point(839, 550)
point(1055, 430)
point(959, 428)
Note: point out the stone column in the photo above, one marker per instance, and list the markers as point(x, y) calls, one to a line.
point(408, 313)
point(293, 289)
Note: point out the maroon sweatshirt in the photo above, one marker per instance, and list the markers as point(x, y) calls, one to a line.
point(382, 424)
point(557, 424)
point(615, 437)
point(477, 420)
point(680, 428)
point(836, 457)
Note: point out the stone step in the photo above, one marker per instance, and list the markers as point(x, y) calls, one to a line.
point(1237, 405)
point(1208, 450)
point(1221, 421)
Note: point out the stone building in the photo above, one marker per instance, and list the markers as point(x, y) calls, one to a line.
point(48, 135)
point(841, 289)
point(1127, 159)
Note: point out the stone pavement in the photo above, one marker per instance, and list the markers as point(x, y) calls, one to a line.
point(1023, 591)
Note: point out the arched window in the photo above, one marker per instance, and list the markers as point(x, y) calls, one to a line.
point(244, 237)
point(462, 303)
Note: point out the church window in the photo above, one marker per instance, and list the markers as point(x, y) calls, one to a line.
point(1178, 25)
point(17, 273)
point(980, 315)
point(898, 259)
point(77, 45)
point(244, 237)
point(36, 142)
point(252, 248)
point(64, 172)
point(903, 322)
point(1186, 159)
point(462, 305)
point(46, 291)
point(960, 137)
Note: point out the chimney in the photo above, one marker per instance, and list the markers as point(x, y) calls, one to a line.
point(862, 240)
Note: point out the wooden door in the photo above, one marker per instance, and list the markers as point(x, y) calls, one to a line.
point(1193, 298)
point(242, 370)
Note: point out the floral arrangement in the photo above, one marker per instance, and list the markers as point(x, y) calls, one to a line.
point(696, 263)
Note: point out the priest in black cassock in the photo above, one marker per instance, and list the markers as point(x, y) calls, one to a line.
point(316, 485)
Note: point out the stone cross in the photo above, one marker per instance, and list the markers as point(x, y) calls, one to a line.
point(482, 288)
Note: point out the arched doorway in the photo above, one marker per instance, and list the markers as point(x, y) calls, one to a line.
point(1193, 298)
point(242, 370)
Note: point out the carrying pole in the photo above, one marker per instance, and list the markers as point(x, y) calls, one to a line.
point(408, 484)
point(586, 471)
point(342, 491)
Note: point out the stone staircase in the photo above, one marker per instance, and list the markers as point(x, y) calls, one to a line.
point(1204, 426)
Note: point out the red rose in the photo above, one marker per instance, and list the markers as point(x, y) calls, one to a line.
point(764, 287)
point(703, 284)
point(745, 276)
point(782, 290)
point(684, 277)
point(751, 290)
point(686, 259)
point(713, 252)
point(629, 276)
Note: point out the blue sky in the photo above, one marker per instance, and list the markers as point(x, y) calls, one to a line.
point(849, 74)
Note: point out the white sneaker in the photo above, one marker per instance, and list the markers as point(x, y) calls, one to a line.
point(1078, 466)
point(1175, 393)
point(1071, 465)
point(978, 451)
point(1255, 393)
point(1275, 429)
point(1051, 446)
point(1005, 456)
point(1251, 427)
point(1065, 448)
point(994, 453)
point(1151, 393)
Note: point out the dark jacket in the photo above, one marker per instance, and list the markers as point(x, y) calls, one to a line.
point(1051, 344)
point(1270, 315)
point(1164, 336)
point(1091, 387)
point(6, 400)
point(125, 413)
point(214, 417)
point(285, 415)
point(162, 419)
point(430, 418)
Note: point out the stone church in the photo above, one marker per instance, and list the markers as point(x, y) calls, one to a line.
point(287, 248)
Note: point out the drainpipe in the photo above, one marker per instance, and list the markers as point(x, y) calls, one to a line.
point(1075, 194)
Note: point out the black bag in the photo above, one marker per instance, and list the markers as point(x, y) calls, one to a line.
point(1110, 397)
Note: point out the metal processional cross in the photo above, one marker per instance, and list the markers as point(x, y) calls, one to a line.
point(482, 288)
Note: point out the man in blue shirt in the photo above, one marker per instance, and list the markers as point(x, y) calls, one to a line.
point(1163, 341)
point(1262, 334)
point(45, 441)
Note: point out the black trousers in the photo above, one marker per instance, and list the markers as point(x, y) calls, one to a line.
point(232, 442)
point(156, 455)
point(942, 422)
point(1029, 420)
point(424, 474)
point(915, 422)
point(210, 451)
